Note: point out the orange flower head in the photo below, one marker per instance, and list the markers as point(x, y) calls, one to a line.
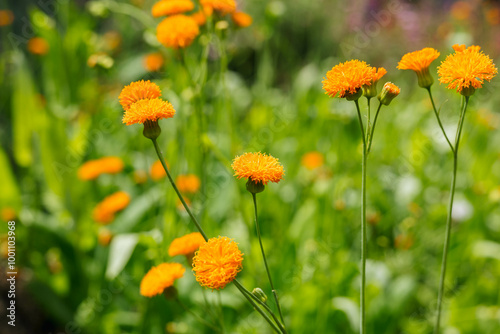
point(186, 245)
point(388, 93)
point(38, 46)
point(91, 169)
point(171, 7)
point(258, 167)
point(312, 160)
point(419, 61)
point(371, 90)
point(105, 211)
point(160, 277)
point(222, 6)
point(188, 183)
point(177, 31)
point(148, 110)
point(346, 79)
point(8, 214)
point(156, 171)
point(466, 69)
point(241, 19)
point(217, 262)
point(138, 90)
point(6, 17)
point(153, 61)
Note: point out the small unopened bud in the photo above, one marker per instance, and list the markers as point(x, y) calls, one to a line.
point(151, 129)
point(255, 187)
point(257, 292)
point(388, 93)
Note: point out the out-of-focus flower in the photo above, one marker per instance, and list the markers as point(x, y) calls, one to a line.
point(312, 160)
point(8, 214)
point(91, 169)
point(160, 278)
point(177, 31)
point(493, 16)
point(346, 79)
point(461, 10)
point(241, 19)
point(171, 7)
point(186, 245)
point(112, 40)
point(223, 6)
point(388, 93)
point(201, 16)
point(6, 17)
point(137, 91)
point(140, 176)
point(156, 171)
point(153, 61)
point(403, 241)
point(104, 236)
point(148, 110)
point(188, 183)
point(102, 59)
point(105, 211)
point(466, 69)
point(419, 62)
point(217, 262)
point(258, 167)
point(38, 46)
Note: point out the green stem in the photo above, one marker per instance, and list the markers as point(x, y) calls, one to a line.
point(449, 217)
point(265, 260)
point(193, 218)
point(199, 318)
point(362, 327)
point(370, 138)
point(368, 117)
point(439, 119)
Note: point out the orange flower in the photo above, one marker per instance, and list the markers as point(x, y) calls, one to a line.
point(312, 160)
point(160, 277)
point(466, 69)
point(8, 214)
point(153, 61)
point(91, 169)
point(186, 245)
point(223, 6)
point(105, 211)
point(201, 16)
point(177, 31)
point(38, 46)
point(419, 62)
point(148, 110)
point(241, 19)
point(347, 78)
point(371, 90)
point(188, 183)
point(171, 7)
point(217, 262)
point(258, 167)
point(6, 17)
point(156, 171)
point(137, 91)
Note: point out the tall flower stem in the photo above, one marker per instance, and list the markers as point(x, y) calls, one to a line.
point(264, 257)
point(446, 246)
point(362, 326)
point(439, 120)
point(369, 134)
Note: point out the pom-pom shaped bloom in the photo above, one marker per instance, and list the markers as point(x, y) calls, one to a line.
point(188, 183)
point(91, 169)
point(419, 61)
point(217, 262)
point(177, 31)
point(312, 160)
point(258, 167)
point(186, 245)
point(347, 78)
point(160, 277)
point(105, 211)
point(148, 110)
point(241, 19)
point(223, 6)
point(466, 69)
point(153, 61)
point(138, 90)
point(171, 7)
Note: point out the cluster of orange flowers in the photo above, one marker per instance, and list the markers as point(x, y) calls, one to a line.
point(181, 26)
point(92, 169)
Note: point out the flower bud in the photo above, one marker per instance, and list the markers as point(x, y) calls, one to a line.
point(257, 292)
point(151, 129)
point(355, 96)
point(388, 93)
point(424, 77)
point(255, 187)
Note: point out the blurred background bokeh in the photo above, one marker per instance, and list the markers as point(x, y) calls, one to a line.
point(63, 65)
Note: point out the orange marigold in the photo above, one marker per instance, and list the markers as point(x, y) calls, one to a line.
point(258, 167)
point(137, 91)
point(217, 262)
point(153, 61)
point(466, 69)
point(156, 171)
point(148, 110)
point(188, 183)
point(160, 277)
point(347, 78)
point(105, 211)
point(312, 160)
point(177, 31)
point(241, 19)
point(171, 7)
point(38, 46)
point(186, 245)
point(223, 6)
point(419, 61)
point(91, 169)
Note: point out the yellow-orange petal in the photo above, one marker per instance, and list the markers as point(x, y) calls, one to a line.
point(223, 6)
point(186, 245)
point(137, 91)
point(241, 19)
point(347, 78)
point(171, 7)
point(258, 167)
point(177, 31)
point(148, 110)
point(418, 61)
point(160, 277)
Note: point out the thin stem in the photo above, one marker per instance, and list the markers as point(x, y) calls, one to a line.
point(199, 318)
point(265, 260)
point(368, 117)
point(439, 120)
point(193, 218)
point(449, 217)
point(362, 326)
point(370, 139)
